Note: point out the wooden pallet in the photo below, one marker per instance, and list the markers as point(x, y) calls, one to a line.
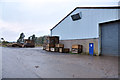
point(59, 45)
point(76, 50)
point(76, 46)
point(64, 50)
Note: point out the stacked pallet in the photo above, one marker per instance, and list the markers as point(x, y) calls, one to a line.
point(49, 46)
point(76, 48)
point(59, 47)
point(64, 50)
point(44, 46)
point(49, 43)
point(44, 42)
point(52, 40)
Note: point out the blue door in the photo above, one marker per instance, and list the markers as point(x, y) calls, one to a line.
point(91, 48)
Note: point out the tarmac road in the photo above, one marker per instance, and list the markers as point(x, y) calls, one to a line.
point(37, 63)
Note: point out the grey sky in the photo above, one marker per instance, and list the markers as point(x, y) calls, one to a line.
point(38, 16)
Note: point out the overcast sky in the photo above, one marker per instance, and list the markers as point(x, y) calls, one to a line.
point(38, 16)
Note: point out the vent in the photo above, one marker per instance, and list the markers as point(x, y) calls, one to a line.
point(76, 17)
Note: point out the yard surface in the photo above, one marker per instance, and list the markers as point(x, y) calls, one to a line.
point(37, 63)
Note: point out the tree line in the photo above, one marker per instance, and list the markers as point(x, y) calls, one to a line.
point(39, 41)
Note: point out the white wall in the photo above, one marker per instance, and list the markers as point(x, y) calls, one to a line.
point(87, 27)
point(119, 10)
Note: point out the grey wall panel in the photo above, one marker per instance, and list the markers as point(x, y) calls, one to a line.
point(119, 31)
point(119, 11)
point(109, 38)
point(119, 38)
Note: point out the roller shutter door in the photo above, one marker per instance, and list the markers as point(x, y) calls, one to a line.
point(109, 38)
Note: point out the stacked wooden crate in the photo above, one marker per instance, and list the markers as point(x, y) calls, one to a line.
point(59, 47)
point(49, 43)
point(76, 48)
point(44, 47)
point(45, 42)
point(66, 50)
point(49, 46)
point(53, 40)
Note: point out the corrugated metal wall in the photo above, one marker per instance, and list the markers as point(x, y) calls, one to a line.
point(87, 27)
point(119, 38)
point(119, 31)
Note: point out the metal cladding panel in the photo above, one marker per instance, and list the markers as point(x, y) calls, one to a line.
point(119, 10)
point(87, 26)
point(109, 38)
point(119, 38)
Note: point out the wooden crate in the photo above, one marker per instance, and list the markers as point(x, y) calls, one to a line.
point(61, 50)
point(59, 45)
point(50, 45)
point(44, 47)
point(74, 50)
point(47, 48)
point(52, 40)
point(56, 49)
point(66, 50)
point(76, 46)
point(56, 38)
point(52, 49)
